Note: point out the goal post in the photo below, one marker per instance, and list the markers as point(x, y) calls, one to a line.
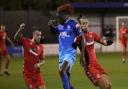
point(119, 20)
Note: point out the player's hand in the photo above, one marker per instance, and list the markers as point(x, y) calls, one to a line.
point(37, 65)
point(22, 26)
point(52, 23)
point(109, 42)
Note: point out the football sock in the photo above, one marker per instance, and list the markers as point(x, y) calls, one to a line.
point(71, 87)
point(7, 64)
point(65, 81)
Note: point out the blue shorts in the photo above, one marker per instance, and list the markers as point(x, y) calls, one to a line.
point(70, 58)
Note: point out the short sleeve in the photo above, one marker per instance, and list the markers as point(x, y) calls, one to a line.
point(96, 37)
point(23, 40)
point(77, 30)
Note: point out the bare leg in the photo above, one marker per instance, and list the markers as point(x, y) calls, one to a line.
point(7, 64)
point(1, 66)
point(123, 53)
point(8, 61)
point(42, 87)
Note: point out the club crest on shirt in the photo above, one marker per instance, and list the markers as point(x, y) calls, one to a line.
point(68, 27)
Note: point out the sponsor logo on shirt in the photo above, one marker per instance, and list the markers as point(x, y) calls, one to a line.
point(33, 51)
point(64, 34)
point(90, 43)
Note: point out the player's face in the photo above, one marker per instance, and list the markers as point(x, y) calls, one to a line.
point(84, 24)
point(61, 17)
point(123, 24)
point(2, 28)
point(37, 36)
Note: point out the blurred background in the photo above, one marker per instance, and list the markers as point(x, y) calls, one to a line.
point(102, 15)
point(105, 17)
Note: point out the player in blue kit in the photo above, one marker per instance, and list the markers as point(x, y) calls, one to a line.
point(67, 30)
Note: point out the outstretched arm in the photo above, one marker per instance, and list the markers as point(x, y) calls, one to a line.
point(105, 42)
point(53, 26)
point(10, 41)
point(19, 33)
point(102, 41)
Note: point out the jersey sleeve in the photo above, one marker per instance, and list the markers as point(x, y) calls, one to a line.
point(23, 40)
point(77, 29)
point(96, 37)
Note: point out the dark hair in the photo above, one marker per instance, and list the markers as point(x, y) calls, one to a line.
point(65, 8)
point(35, 28)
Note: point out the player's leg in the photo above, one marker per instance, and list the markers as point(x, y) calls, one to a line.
point(68, 73)
point(41, 87)
point(104, 82)
point(63, 74)
point(123, 46)
point(29, 81)
point(1, 65)
point(39, 81)
point(8, 60)
point(65, 64)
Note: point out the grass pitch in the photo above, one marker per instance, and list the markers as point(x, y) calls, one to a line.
point(110, 61)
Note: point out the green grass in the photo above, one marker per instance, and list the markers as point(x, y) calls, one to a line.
point(110, 61)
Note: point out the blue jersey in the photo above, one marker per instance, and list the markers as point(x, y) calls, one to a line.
point(67, 33)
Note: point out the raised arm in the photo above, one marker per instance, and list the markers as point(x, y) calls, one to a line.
point(10, 41)
point(102, 41)
point(53, 26)
point(19, 33)
point(105, 42)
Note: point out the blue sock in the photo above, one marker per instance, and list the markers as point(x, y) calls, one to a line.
point(65, 81)
point(71, 87)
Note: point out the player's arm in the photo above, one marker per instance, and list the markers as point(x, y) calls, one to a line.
point(41, 62)
point(10, 41)
point(81, 46)
point(79, 42)
point(19, 33)
point(53, 26)
point(102, 41)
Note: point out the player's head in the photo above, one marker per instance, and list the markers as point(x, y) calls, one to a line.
point(2, 27)
point(123, 24)
point(37, 35)
point(83, 23)
point(63, 11)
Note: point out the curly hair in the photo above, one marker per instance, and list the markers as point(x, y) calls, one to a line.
point(65, 8)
